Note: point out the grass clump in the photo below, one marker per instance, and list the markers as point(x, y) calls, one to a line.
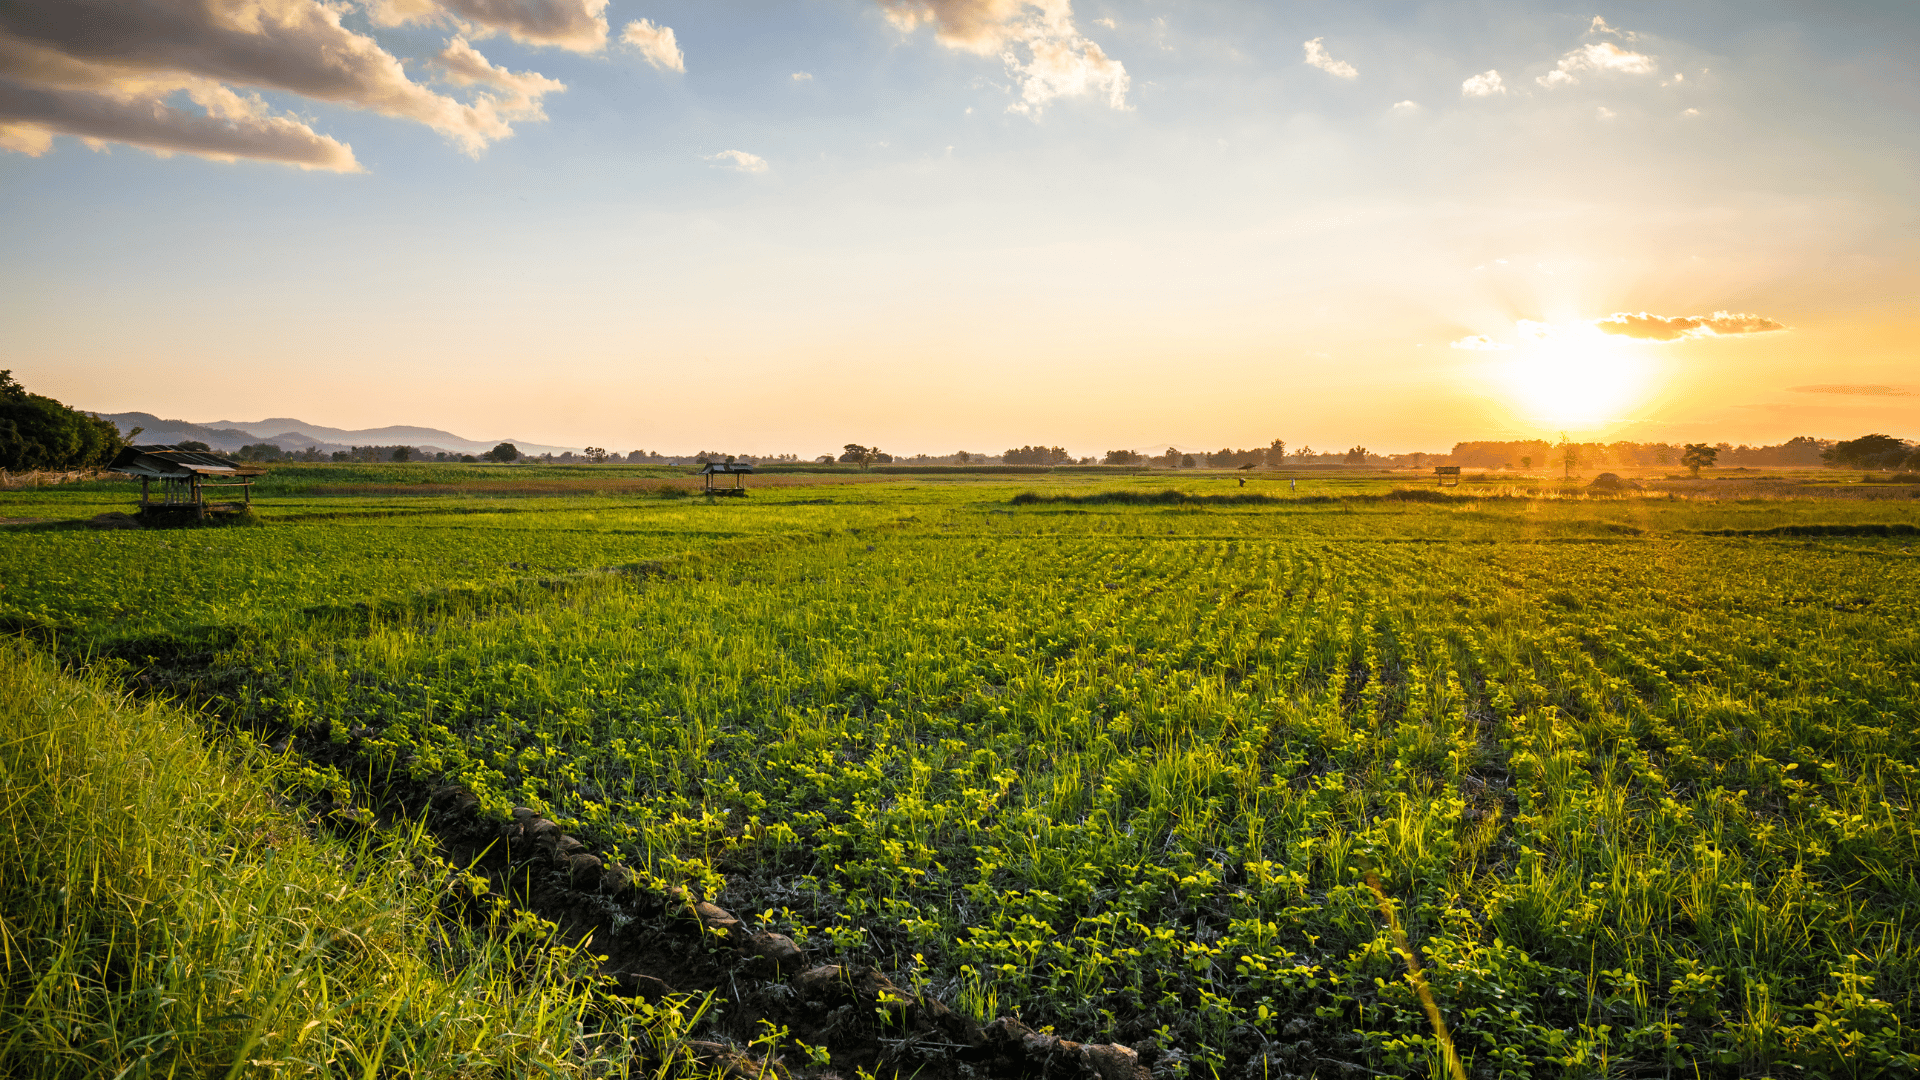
point(162, 915)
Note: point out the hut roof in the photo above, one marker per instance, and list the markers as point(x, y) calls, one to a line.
point(173, 463)
point(725, 467)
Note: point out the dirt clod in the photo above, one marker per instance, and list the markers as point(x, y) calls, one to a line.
point(1113, 1061)
point(718, 920)
point(820, 983)
point(585, 870)
point(615, 880)
point(778, 948)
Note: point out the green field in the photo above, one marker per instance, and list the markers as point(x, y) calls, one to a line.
point(1636, 774)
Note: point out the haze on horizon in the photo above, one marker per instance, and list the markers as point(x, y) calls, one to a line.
point(942, 224)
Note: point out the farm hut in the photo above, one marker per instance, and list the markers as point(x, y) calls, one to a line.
point(736, 469)
point(1449, 475)
point(184, 476)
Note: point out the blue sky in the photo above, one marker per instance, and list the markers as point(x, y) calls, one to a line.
point(1200, 237)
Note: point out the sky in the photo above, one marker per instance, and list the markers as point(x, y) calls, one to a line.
point(935, 225)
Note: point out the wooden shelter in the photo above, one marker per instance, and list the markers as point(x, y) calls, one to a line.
point(723, 468)
point(1449, 475)
point(185, 476)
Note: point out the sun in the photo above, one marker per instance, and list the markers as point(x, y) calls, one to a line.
point(1577, 378)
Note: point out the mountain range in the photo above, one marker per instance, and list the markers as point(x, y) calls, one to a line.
point(290, 434)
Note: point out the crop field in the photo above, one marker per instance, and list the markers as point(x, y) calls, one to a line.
point(1633, 779)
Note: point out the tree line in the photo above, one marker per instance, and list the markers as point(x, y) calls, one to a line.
point(37, 432)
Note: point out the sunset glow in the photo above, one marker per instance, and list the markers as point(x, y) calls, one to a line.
point(1579, 379)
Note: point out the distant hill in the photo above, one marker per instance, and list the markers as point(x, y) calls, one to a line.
point(290, 434)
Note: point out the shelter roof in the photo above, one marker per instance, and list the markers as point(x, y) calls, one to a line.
point(726, 467)
point(175, 463)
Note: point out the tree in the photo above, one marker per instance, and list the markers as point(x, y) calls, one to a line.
point(1037, 455)
point(1698, 456)
point(1277, 452)
point(1868, 452)
point(1356, 455)
point(1526, 461)
point(596, 455)
point(864, 456)
point(402, 453)
point(38, 432)
point(506, 451)
point(1569, 455)
point(1123, 457)
point(1186, 461)
point(1304, 453)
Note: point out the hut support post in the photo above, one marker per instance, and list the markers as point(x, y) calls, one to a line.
point(199, 501)
point(144, 481)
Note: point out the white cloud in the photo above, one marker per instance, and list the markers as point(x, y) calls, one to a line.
point(1599, 56)
point(739, 161)
point(1036, 40)
point(1406, 106)
point(1604, 113)
point(579, 25)
point(1485, 84)
point(1691, 113)
point(1317, 56)
point(656, 45)
point(1479, 343)
point(1599, 26)
point(1108, 23)
point(115, 71)
point(803, 76)
point(465, 66)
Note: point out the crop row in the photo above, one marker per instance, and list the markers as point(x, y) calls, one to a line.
point(1639, 803)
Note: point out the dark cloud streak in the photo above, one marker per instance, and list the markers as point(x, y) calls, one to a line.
point(158, 126)
point(1852, 390)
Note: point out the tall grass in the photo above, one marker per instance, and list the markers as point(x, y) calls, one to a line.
point(162, 915)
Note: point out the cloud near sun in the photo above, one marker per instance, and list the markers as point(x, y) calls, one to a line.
point(116, 71)
point(1672, 328)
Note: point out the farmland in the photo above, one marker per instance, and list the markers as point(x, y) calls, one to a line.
point(1636, 775)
